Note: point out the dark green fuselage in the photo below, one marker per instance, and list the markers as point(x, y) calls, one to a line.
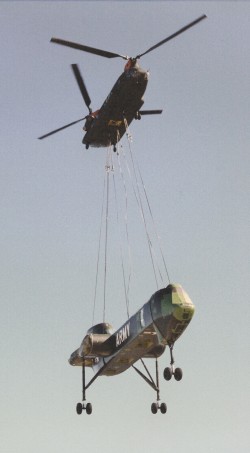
point(120, 107)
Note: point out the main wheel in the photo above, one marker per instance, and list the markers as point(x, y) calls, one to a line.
point(167, 373)
point(89, 408)
point(178, 374)
point(154, 408)
point(163, 408)
point(79, 408)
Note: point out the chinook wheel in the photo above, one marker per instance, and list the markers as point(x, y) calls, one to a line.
point(167, 373)
point(79, 408)
point(163, 408)
point(154, 408)
point(89, 408)
point(178, 374)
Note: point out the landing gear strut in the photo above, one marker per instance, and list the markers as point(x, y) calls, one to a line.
point(172, 371)
point(155, 385)
point(82, 406)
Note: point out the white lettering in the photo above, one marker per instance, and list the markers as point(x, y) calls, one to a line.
point(122, 335)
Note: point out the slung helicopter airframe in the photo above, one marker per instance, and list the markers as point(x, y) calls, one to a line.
point(106, 126)
point(159, 323)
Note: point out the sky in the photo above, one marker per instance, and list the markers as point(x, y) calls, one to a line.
point(195, 163)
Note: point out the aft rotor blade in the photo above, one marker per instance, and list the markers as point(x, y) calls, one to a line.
point(61, 128)
point(191, 24)
point(150, 112)
point(81, 85)
point(74, 45)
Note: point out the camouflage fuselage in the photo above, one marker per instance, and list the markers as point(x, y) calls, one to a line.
point(159, 323)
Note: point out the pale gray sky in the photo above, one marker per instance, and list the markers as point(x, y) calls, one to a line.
point(195, 162)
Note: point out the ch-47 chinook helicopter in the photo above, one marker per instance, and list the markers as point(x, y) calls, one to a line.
point(106, 126)
point(159, 323)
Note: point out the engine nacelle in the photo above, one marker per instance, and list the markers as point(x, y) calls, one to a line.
point(95, 342)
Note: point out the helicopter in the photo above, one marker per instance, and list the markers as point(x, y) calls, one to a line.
point(145, 335)
point(106, 126)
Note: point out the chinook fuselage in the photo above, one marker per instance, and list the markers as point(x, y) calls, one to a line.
point(159, 323)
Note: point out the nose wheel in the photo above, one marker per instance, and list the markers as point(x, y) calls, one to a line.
point(172, 371)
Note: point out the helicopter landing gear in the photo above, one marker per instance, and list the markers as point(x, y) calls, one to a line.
point(82, 406)
point(158, 406)
point(155, 385)
point(172, 371)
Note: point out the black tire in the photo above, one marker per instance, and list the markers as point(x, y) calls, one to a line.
point(154, 408)
point(163, 408)
point(79, 408)
point(167, 373)
point(89, 408)
point(178, 374)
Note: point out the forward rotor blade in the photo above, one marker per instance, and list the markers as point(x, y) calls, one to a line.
point(150, 112)
point(81, 85)
point(191, 24)
point(74, 45)
point(61, 128)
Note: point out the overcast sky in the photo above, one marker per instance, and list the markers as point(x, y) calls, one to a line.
point(194, 159)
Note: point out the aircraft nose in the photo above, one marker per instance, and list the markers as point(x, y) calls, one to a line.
point(183, 311)
point(183, 307)
point(172, 311)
